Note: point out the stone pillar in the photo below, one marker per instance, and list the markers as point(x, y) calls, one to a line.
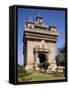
point(36, 56)
point(52, 67)
point(47, 56)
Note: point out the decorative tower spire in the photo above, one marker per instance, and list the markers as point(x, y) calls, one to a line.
point(30, 19)
point(53, 23)
point(52, 27)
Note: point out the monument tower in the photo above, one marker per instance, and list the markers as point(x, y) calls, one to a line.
point(39, 43)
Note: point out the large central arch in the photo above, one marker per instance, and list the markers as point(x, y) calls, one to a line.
point(42, 58)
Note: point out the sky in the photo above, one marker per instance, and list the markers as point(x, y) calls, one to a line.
point(50, 17)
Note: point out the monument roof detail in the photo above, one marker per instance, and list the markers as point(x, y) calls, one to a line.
point(39, 25)
point(30, 21)
point(36, 24)
point(53, 26)
point(39, 17)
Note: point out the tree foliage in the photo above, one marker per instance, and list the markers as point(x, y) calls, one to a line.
point(44, 65)
point(60, 58)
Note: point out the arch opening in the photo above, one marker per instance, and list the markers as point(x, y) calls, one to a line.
point(42, 58)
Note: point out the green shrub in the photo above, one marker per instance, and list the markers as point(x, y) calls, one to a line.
point(24, 74)
point(40, 65)
point(25, 78)
point(46, 64)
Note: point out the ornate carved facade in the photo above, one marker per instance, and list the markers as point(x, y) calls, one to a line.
point(39, 43)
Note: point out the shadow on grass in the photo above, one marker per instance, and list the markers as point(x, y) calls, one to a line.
point(54, 74)
point(24, 74)
point(57, 74)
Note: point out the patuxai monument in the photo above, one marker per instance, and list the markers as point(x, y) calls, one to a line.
point(39, 44)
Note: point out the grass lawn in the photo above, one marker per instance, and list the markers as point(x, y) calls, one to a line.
point(38, 76)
